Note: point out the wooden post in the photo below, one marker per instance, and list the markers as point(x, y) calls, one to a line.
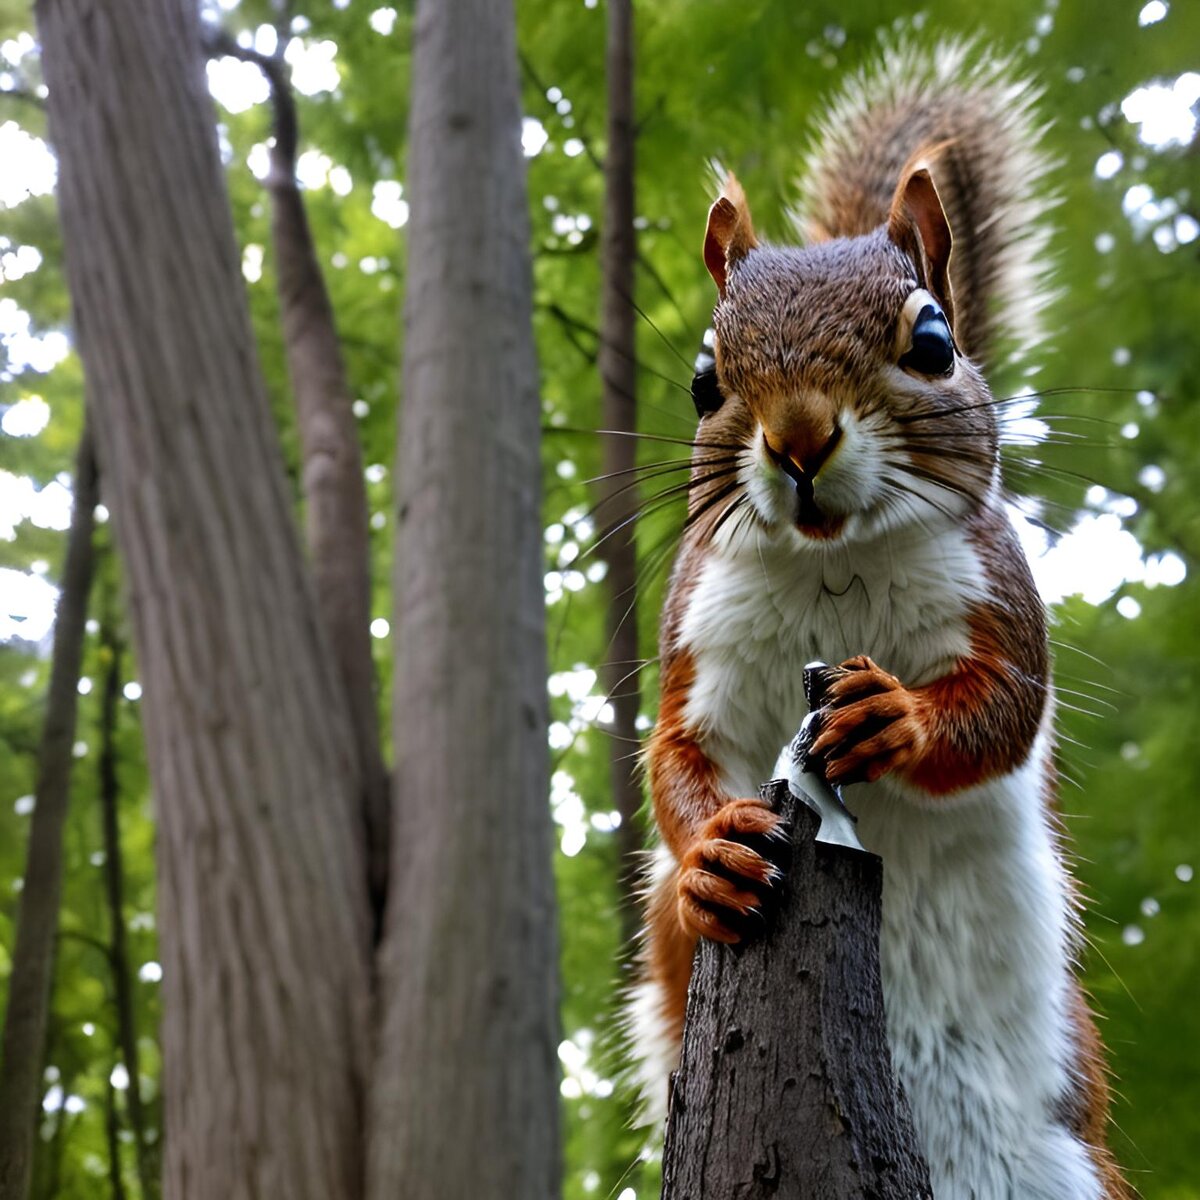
point(785, 1088)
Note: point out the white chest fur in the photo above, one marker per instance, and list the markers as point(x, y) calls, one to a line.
point(976, 923)
point(763, 609)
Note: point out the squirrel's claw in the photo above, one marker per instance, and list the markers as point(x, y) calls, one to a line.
point(869, 725)
point(727, 877)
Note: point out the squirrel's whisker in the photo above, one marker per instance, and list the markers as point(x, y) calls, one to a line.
point(666, 463)
point(657, 474)
point(655, 504)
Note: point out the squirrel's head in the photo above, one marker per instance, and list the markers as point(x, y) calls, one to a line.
point(839, 373)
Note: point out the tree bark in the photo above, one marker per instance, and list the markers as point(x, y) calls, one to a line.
point(468, 964)
point(114, 888)
point(785, 1088)
point(32, 975)
point(335, 496)
point(264, 914)
point(617, 360)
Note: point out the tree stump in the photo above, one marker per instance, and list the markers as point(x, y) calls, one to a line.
point(785, 1089)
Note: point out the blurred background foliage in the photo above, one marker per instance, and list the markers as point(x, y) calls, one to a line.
point(741, 81)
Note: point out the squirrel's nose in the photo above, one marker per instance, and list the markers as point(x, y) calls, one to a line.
point(801, 458)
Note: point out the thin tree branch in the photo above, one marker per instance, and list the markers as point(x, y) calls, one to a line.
point(114, 887)
point(572, 327)
point(112, 1129)
point(86, 939)
point(540, 84)
point(25, 94)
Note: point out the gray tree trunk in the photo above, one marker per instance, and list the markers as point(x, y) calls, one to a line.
point(785, 1088)
point(32, 974)
point(617, 360)
point(264, 915)
point(465, 1098)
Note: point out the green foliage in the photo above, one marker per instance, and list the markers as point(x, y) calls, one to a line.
point(741, 82)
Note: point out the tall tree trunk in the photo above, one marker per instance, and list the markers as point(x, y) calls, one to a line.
point(469, 1019)
point(618, 373)
point(29, 983)
point(264, 915)
point(334, 493)
point(114, 887)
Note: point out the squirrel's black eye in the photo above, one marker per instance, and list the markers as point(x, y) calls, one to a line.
point(706, 392)
point(932, 350)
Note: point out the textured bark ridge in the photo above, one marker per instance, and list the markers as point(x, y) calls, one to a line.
point(785, 1088)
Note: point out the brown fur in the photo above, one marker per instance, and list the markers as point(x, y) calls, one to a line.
point(668, 952)
point(683, 781)
point(1088, 1105)
point(970, 122)
point(730, 233)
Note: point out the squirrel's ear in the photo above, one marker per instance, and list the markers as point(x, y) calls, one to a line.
point(730, 233)
point(917, 224)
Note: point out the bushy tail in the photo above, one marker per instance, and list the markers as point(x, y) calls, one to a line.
point(973, 121)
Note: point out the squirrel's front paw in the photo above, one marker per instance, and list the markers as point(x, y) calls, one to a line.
point(727, 876)
point(870, 724)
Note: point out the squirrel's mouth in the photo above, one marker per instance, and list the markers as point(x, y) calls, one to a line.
point(809, 518)
point(813, 523)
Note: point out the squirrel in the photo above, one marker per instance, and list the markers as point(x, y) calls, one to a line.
point(847, 506)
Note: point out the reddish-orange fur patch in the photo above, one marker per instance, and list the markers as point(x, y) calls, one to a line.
point(668, 953)
point(974, 723)
point(683, 782)
point(980, 719)
point(699, 823)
